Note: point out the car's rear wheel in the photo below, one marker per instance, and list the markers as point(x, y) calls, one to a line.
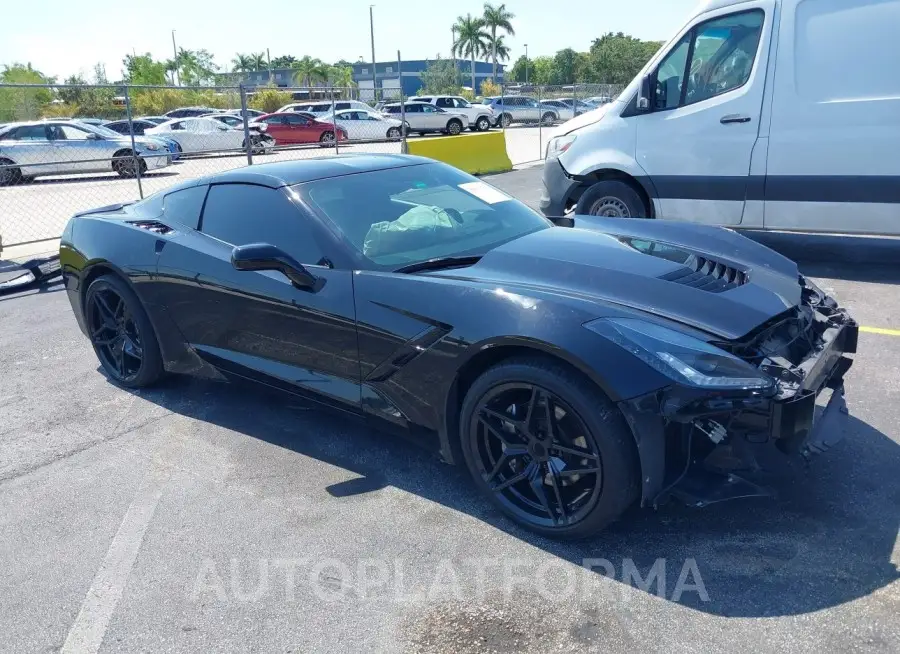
point(548, 448)
point(505, 120)
point(454, 127)
point(327, 139)
point(482, 124)
point(127, 165)
point(548, 118)
point(393, 133)
point(121, 333)
point(611, 198)
point(9, 173)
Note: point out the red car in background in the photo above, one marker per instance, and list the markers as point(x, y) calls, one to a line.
point(298, 127)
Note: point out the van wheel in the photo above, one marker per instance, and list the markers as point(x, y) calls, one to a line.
point(613, 199)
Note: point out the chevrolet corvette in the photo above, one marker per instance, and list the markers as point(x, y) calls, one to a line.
point(575, 366)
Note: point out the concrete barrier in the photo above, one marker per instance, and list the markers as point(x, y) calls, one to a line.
point(474, 153)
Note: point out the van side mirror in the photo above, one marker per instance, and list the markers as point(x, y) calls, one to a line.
point(645, 94)
point(262, 256)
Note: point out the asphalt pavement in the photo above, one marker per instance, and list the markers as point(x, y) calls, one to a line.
point(199, 516)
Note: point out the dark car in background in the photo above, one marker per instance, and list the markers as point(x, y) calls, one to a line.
point(574, 369)
point(190, 112)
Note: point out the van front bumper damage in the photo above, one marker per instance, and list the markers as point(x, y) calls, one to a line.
point(702, 447)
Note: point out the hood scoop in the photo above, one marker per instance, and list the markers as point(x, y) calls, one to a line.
point(696, 271)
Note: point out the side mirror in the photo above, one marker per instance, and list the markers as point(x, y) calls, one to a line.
point(643, 101)
point(93, 137)
point(262, 256)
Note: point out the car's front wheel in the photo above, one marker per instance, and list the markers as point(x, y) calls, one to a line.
point(611, 198)
point(326, 139)
point(482, 124)
point(393, 133)
point(548, 448)
point(121, 333)
point(454, 127)
point(9, 173)
point(127, 164)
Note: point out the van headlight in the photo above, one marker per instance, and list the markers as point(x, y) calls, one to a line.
point(556, 146)
point(680, 357)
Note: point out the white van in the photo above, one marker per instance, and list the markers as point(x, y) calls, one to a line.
point(761, 114)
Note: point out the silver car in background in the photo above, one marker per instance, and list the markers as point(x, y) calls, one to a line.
point(521, 109)
point(33, 149)
point(423, 118)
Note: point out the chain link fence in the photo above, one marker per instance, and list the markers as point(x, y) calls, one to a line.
point(65, 149)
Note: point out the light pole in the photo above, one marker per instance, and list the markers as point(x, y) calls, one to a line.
point(372, 34)
point(175, 60)
point(526, 64)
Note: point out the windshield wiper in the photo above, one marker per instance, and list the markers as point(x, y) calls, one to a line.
point(439, 263)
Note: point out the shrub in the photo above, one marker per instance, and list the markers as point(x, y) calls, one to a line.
point(489, 88)
point(269, 99)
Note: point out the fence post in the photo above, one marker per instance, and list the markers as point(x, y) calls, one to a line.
point(135, 160)
point(334, 121)
point(574, 99)
point(248, 143)
point(404, 147)
point(540, 122)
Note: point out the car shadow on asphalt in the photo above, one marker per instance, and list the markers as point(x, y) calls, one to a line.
point(827, 540)
point(837, 256)
point(53, 286)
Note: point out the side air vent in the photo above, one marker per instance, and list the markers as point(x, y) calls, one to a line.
point(707, 275)
point(151, 226)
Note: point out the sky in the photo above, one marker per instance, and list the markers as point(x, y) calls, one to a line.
point(71, 38)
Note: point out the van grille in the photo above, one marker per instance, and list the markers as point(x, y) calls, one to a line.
point(707, 275)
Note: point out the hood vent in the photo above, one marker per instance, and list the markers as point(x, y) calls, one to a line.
point(151, 226)
point(707, 275)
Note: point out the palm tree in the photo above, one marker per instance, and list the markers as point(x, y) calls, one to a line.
point(471, 40)
point(307, 70)
point(500, 49)
point(341, 77)
point(242, 63)
point(258, 60)
point(497, 18)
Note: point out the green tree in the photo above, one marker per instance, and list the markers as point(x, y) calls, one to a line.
point(242, 63)
point(471, 40)
point(193, 67)
point(500, 49)
point(564, 63)
point(259, 61)
point(617, 58)
point(142, 69)
point(340, 77)
point(309, 70)
point(441, 76)
point(497, 18)
point(22, 103)
point(284, 61)
point(541, 70)
point(517, 72)
point(269, 99)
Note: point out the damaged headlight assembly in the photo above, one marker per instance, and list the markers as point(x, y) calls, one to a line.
point(682, 358)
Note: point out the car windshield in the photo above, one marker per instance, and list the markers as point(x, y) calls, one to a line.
point(101, 130)
point(408, 215)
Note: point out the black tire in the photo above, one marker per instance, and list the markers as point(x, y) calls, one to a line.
point(327, 139)
point(123, 163)
point(612, 198)
point(482, 124)
point(454, 127)
point(605, 433)
point(394, 133)
point(548, 118)
point(135, 324)
point(422, 133)
point(505, 120)
point(9, 175)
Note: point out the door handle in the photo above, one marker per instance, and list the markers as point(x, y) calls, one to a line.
point(734, 118)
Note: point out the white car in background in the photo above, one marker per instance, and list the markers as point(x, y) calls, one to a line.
point(423, 118)
point(322, 107)
point(365, 124)
point(206, 135)
point(480, 116)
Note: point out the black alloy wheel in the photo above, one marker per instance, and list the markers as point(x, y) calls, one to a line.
point(121, 333)
point(548, 448)
point(127, 164)
point(9, 174)
point(505, 120)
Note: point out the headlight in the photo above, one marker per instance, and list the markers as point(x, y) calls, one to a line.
point(151, 146)
point(680, 357)
point(560, 144)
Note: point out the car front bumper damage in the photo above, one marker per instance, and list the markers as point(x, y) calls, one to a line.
point(703, 447)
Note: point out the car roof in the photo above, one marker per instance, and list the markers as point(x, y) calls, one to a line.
point(287, 173)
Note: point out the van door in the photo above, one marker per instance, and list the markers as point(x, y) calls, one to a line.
point(834, 139)
point(696, 141)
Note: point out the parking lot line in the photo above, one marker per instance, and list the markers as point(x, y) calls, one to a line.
point(880, 330)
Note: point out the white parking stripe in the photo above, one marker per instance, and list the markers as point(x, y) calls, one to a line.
point(86, 635)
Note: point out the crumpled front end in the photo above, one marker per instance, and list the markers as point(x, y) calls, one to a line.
point(704, 447)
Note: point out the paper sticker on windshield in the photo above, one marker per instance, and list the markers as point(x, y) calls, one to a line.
point(484, 192)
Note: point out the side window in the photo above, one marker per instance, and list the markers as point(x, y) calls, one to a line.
point(412, 108)
point(29, 133)
point(445, 102)
point(342, 105)
point(713, 58)
point(296, 120)
point(178, 126)
point(185, 205)
point(427, 108)
point(70, 133)
point(394, 110)
point(239, 214)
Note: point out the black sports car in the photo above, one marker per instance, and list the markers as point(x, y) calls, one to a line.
point(573, 369)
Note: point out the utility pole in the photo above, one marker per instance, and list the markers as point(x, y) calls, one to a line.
point(372, 34)
point(526, 64)
point(174, 54)
point(269, 65)
point(453, 46)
